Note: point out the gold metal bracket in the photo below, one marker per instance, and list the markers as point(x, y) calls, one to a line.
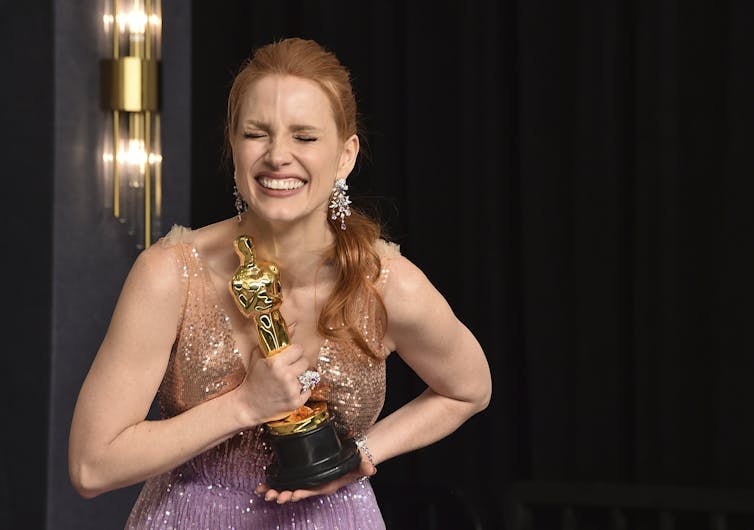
point(130, 84)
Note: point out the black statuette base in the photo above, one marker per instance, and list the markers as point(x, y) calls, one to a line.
point(309, 459)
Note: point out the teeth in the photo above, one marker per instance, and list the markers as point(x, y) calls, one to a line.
point(280, 184)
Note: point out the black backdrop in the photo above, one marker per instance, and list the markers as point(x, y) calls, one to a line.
point(576, 178)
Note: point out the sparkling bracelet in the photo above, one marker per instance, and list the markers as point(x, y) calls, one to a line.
point(361, 443)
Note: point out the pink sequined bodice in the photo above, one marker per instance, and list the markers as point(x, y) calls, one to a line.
point(205, 362)
point(215, 489)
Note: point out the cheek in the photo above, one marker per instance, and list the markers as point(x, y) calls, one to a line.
point(326, 164)
point(245, 160)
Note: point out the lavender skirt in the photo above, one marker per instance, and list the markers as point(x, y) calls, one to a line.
point(215, 490)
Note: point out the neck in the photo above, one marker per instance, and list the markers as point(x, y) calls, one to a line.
point(298, 248)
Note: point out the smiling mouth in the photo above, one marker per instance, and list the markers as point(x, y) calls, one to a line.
point(280, 184)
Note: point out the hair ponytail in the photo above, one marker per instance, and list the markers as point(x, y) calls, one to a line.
point(357, 268)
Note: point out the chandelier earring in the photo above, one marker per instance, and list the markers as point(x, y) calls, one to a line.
point(240, 204)
point(339, 203)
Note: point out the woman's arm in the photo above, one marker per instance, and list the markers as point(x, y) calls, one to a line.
point(111, 444)
point(423, 330)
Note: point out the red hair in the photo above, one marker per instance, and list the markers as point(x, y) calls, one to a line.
point(357, 264)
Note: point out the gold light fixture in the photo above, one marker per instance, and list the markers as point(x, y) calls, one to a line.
point(130, 93)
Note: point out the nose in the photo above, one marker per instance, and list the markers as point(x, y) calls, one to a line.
point(278, 153)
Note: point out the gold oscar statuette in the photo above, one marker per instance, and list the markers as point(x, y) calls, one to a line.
point(308, 450)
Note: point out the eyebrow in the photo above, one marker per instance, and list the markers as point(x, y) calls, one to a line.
point(294, 127)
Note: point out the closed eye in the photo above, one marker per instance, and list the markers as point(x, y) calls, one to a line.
point(306, 138)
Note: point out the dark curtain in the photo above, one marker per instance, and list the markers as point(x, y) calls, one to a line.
point(576, 179)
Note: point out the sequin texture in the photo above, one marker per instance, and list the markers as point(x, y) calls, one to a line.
point(215, 489)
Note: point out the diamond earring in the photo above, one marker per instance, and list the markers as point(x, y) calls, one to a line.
point(339, 202)
point(240, 204)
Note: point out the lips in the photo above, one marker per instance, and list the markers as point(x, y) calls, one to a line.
point(280, 183)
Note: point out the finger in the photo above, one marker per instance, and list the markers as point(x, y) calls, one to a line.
point(255, 352)
point(327, 488)
point(298, 366)
point(271, 495)
point(255, 355)
point(284, 497)
point(288, 355)
point(297, 387)
point(262, 488)
point(299, 495)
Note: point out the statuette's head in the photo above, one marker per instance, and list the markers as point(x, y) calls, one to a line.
point(256, 284)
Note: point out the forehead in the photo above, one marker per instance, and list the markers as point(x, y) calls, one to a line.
point(287, 98)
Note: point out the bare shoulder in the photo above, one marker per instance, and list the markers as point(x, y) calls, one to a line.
point(160, 266)
point(148, 309)
point(213, 242)
point(424, 330)
point(406, 281)
point(157, 271)
point(411, 300)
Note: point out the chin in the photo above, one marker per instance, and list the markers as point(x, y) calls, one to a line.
point(283, 217)
point(288, 214)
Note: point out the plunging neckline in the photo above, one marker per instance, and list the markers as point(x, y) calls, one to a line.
point(228, 322)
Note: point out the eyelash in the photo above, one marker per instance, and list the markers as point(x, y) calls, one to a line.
point(254, 136)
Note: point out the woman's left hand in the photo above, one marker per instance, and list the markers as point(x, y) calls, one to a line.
point(365, 469)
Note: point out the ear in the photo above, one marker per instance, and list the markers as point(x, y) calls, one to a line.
point(233, 155)
point(348, 156)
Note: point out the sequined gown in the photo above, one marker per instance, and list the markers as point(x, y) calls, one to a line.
point(215, 489)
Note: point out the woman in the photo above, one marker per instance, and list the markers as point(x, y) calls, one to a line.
point(349, 298)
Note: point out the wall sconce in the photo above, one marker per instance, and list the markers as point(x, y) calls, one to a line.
point(130, 92)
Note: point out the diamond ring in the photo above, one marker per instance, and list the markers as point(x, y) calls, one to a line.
point(308, 380)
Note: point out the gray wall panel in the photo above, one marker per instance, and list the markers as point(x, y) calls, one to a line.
point(92, 253)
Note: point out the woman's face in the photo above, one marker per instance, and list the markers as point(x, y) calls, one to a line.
point(286, 149)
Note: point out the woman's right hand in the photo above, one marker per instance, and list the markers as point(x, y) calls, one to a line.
point(271, 389)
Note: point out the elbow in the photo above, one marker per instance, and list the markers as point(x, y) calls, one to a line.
point(473, 402)
point(482, 402)
point(85, 480)
point(482, 399)
point(86, 493)
point(486, 402)
point(475, 399)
